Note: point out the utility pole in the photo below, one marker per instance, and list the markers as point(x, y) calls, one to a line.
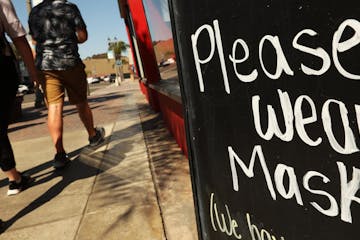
point(28, 6)
point(118, 70)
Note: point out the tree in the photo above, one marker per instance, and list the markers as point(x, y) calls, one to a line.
point(117, 47)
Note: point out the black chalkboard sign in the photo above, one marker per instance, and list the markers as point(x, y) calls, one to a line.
point(271, 92)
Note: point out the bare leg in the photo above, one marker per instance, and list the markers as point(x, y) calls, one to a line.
point(13, 175)
point(55, 125)
point(86, 117)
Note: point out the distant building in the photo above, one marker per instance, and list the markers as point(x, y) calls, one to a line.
point(164, 49)
point(104, 66)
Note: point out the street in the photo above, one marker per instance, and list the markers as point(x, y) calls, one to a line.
point(31, 96)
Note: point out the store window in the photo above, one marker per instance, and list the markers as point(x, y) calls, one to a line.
point(138, 67)
point(158, 18)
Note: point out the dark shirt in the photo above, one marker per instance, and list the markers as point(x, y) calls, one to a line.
point(53, 25)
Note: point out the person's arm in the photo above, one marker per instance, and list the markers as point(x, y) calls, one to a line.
point(82, 35)
point(24, 49)
point(80, 26)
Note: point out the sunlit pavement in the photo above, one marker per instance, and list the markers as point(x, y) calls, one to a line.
point(136, 185)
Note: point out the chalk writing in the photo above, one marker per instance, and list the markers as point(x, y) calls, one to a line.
point(348, 189)
point(229, 226)
point(294, 118)
point(282, 65)
point(300, 122)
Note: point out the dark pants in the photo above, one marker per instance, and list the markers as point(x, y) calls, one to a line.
point(9, 83)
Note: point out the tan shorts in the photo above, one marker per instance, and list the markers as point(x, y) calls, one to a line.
point(73, 80)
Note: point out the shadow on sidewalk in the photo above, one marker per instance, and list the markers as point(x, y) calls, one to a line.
point(76, 170)
point(31, 115)
point(166, 157)
point(87, 163)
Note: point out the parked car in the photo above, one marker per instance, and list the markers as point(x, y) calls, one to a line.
point(112, 77)
point(167, 62)
point(23, 89)
point(92, 80)
point(107, 78)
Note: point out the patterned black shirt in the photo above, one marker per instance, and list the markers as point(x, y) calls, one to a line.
point(53, 25)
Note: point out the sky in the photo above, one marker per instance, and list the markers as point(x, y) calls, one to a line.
point(102, 18)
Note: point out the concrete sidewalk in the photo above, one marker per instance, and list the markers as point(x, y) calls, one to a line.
point(136, 185)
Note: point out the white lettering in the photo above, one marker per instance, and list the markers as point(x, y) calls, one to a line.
point(253, 229)
point(259, 235)
point(273, 126)
point(281, 62)
point(233, 225)
point(350, 145)
point(338, 46)
point(245, 78)
point(198, 61)
point(319, 52)
point(221, 55)
point(249, 171)
point(357, 111)
point(293, 184)
point(333, 210)
point(300, 121)
point(348, 191)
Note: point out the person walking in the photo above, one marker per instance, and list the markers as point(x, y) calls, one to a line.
point(12, 27)
point(57, 28)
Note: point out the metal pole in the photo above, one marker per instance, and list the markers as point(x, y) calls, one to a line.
point(28, 6)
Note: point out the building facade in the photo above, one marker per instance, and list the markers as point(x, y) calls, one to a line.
point(151, 40)
point(98, 67)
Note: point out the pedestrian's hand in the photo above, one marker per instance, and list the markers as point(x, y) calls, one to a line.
point(34, 78)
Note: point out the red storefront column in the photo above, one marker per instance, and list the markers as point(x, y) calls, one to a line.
point(146, 51)
point(172, 112)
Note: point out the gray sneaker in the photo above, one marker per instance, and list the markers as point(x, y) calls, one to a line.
point(98, 138)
